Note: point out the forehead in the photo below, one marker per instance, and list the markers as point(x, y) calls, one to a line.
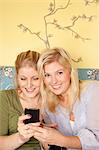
point(53, 66)
point(27, 70)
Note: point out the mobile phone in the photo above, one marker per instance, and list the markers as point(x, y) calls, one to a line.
point(35, 113)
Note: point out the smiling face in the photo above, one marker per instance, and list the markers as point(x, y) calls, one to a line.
point(57, 78)
point(28, 81)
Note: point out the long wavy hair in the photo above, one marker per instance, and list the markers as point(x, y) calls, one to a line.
point(49, 99)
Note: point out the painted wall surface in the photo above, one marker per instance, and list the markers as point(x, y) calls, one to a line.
point(71, 24)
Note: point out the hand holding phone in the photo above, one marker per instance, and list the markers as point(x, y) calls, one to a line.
point(35, 115)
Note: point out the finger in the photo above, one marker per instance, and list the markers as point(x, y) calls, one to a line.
point(23, 117)
point(23, 128)
point(53, 125)
point(39, 138)
point(37, 124)
point(38, 129)
point(26, 132)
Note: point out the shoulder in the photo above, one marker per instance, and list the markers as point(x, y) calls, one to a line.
point(87, 86)
point(7, 94)
point(90, 92)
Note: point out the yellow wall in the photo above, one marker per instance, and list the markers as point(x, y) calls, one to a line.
point(31, 14)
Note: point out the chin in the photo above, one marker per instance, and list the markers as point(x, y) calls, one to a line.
point(56, 92)
point(30, 95)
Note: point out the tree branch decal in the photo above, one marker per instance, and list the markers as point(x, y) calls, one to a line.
point(87, 2)
point(52, 11)
point(70, 27)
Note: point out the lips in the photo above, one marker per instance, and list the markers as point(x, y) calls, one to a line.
point(56, 87)
point(29, 90)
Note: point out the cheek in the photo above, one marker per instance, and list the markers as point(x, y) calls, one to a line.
point(38, 83)
point(67, 77)
point(46, 82)
point(20, 83)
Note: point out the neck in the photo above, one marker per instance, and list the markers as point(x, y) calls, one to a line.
point(34, 99)
point(63, 100)
point(29, 102)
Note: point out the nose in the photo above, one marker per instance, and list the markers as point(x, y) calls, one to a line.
point(29, 83)
point(54, 79)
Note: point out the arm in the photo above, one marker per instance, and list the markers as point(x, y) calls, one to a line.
point(89, 136)
point(54, 137)
point(11, 142)
point(16, 140)
point(7, 141)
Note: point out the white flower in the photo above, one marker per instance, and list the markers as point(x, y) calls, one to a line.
point(6, 73)
point(89, 72)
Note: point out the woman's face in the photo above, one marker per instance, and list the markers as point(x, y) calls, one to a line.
point(28, 81)
point(57, 78)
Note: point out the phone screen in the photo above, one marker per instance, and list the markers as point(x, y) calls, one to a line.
point(35, 113)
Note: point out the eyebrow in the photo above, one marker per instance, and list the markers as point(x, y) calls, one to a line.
point(32, 76)
point(56, 70)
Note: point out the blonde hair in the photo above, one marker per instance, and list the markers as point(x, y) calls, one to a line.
point(29, 58)
point(49, 99)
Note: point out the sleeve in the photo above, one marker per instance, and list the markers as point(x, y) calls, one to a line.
point(3, 113)
point(47, 119)
point(89, 136)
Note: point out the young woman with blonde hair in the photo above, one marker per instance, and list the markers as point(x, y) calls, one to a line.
point(64, 101)
point(14, 134)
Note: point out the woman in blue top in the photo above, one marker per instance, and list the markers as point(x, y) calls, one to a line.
point(74, 108)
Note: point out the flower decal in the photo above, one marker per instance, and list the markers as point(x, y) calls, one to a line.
point(92, 74)
point(8, 72)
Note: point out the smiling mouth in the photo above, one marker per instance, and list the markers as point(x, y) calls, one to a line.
point(56, 87)
point(30, 90)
